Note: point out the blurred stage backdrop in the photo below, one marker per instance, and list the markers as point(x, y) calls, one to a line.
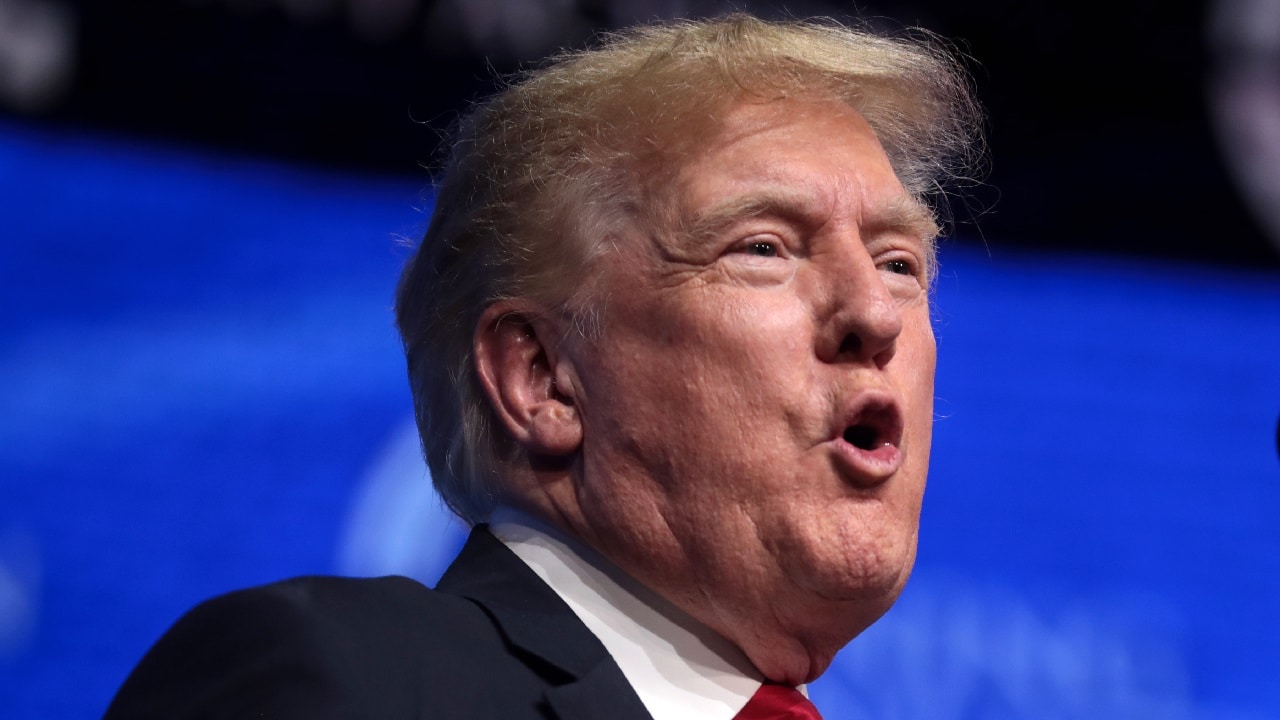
point(204, 206)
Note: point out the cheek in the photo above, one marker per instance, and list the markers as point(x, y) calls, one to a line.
point(917, 359)
point(914, 366)
point(713, 342)
point(703, 387)
point(767, 334)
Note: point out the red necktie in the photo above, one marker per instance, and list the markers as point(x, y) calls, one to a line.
point(778, 702)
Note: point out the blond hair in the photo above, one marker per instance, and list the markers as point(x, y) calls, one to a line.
point(541, 173)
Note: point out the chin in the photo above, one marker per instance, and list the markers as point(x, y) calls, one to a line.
point(870, 577)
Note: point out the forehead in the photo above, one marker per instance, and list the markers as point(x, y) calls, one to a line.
point(795, 157)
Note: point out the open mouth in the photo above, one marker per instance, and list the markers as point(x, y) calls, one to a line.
point(863, 437)
point(876, 424)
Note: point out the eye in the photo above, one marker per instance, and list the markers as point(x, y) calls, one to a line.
point(899, 267)
point(761, 248)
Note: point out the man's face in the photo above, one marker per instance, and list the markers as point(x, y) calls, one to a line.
point(757, 412)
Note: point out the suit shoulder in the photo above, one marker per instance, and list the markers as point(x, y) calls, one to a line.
point(314, 647)
point(384, 617)
point(368, 606)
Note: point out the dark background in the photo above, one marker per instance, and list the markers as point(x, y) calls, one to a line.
point(1100, 131)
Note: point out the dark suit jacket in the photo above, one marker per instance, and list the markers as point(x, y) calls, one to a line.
point(492, 641)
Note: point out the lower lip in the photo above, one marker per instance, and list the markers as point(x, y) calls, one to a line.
point(867, 468)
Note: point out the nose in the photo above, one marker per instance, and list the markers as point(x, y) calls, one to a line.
point(863, 319)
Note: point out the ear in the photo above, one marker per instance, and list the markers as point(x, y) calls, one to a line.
point(518, 363)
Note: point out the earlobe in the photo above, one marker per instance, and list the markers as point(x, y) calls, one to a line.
point(526, 381)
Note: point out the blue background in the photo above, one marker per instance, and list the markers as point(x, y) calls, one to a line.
point(201, 389)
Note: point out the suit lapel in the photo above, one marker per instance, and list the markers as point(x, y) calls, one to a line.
point(583, 680)
point(602, 693)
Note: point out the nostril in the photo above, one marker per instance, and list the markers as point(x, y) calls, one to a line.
point(851, 345)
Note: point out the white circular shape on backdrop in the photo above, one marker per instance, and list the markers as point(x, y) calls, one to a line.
point(397, 524)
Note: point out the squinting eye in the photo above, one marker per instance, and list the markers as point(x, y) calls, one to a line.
point(762, 249)
point(898, 267)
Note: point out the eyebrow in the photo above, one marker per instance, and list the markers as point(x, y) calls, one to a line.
point(907, 214)
point(904, 213)
point(779, 202)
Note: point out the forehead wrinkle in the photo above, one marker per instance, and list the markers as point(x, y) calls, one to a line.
point(783, 201)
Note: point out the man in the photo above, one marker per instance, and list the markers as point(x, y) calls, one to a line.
point(669, 342)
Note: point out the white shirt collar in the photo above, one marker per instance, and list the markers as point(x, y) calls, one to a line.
point(679, 667)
